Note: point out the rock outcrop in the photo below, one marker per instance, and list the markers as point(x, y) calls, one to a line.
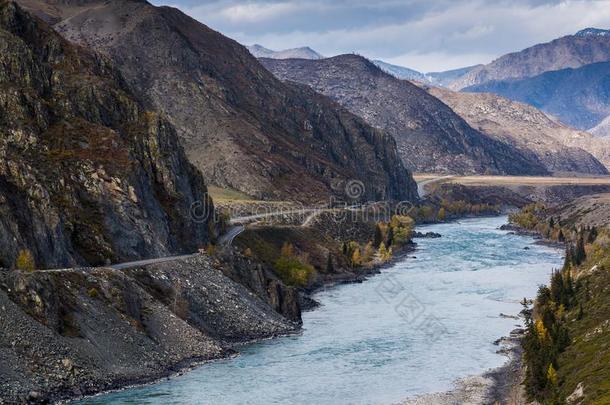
point(430, 136)
point(527, 129)
point(87, 173)
point(243, 128)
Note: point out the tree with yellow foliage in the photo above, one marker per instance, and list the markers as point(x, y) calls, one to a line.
point(25, 260)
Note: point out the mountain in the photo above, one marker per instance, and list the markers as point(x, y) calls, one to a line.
point(434, 78)
point(400, 72)
point(243, 128)
point(87, 173)
point(587, 46)
point(430, 136)
point(304, 52)
point(447, 77)
point(527, 129)
point(579, 97)
point(602, 130)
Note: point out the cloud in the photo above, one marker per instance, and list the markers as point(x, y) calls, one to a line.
point(420, 34)
point(249, 13)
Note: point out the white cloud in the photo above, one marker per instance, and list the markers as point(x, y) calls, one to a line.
point(422, 35)
point(253, 12)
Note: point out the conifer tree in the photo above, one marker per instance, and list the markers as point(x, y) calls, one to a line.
point(390, 239)
point(378, 238)
point(330, 268)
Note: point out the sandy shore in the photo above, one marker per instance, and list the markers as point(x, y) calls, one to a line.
point(498, 386)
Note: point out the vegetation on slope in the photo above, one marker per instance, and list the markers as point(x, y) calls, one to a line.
point(567, 345)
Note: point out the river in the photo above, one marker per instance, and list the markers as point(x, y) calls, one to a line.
point(417, 327)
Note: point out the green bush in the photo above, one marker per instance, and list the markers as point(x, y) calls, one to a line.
point(294, 272)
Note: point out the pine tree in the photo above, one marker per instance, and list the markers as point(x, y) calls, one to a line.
point(378, 238)
point(390, 239)
point(560, 236)
point(580, 254)
point(330, 268)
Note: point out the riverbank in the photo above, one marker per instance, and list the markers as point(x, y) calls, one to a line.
point(501, 385)
point(359, 346)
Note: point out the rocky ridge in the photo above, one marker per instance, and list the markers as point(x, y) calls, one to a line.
point(240, 126)
point(577, 96)
point(571, 51)
point(429, 135)
point(87, 173)
point(304, 52)
point(529, 130)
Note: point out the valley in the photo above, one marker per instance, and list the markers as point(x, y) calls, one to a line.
point(212, 203)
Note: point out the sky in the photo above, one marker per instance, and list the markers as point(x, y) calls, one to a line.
point(428, 36)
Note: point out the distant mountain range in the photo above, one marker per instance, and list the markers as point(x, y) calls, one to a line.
point(430, 136)
point(305, 52)
point(434, 78)
point(587, 46)
point(579, 97)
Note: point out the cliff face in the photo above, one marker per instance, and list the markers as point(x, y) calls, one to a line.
point(87, 174)
point(528, 129)
point(242, 127)
point(430, 136)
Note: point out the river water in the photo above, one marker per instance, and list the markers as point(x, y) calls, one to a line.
point(417, 327)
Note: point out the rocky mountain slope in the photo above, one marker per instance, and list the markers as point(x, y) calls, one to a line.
point(447, 77)
point(304, 52)
point(400, 72)
point(87, 173)
point(430, 136)
point(91, 330)
point(572, 51)
point(579, 97)
point(243, 128)
point(435, 78)
point(601, 130)
point(526, 128)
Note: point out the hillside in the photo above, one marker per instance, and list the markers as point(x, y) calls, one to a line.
point(240, 126)
point(601, 130)
point(528, 129)
point(304, 52)
point(430, 136)
point(400, 72)
point(572, 51)
point(579, 97)
point(87, 173)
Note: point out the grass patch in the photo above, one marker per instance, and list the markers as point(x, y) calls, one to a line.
point(226, 194)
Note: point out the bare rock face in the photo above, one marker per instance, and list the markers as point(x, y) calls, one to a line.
point(572, 51)
point(87, 174)
point(429, 135)
point(528, 129)
point(240, 126)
